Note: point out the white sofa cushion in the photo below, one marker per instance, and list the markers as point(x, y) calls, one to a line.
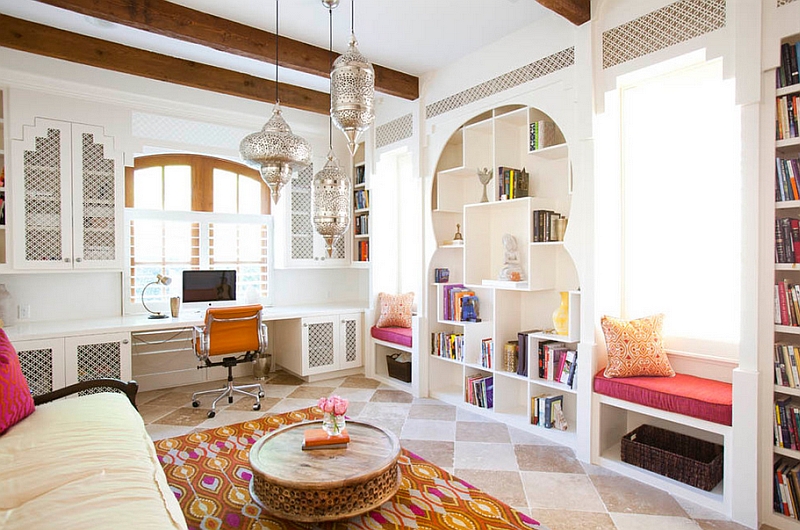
point(84, 462)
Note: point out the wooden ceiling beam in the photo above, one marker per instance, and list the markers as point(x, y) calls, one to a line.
point(51, 42)
point(183, 23)
point(576, 11)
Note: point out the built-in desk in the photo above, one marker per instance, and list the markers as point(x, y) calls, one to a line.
point(157, 352)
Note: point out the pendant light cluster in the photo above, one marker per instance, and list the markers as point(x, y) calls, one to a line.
point(277, 153)
point(274, 150)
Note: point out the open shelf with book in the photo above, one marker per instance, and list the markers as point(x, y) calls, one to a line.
point(361, 208)
point(781, 469)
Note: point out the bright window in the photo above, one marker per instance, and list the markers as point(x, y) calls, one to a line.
point(194, 212)
point(681, 206)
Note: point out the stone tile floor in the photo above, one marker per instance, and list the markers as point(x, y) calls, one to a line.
point(527, 472)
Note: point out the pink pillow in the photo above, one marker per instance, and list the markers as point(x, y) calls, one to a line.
point(395, 310)
point(16, 402)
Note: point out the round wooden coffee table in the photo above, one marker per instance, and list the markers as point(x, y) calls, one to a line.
point(324, 484)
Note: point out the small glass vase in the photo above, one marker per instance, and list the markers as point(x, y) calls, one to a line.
point(333, 424)
point(561, 315)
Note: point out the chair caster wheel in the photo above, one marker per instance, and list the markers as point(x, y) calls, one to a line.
point(261, 394)
point(211, 413)
point(257, 406)
point(230, 399)
point(195, 404)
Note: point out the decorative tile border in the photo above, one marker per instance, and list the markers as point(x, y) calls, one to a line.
point(659, 29)
point(394, 131)
point(784, 2)
point(529, 72)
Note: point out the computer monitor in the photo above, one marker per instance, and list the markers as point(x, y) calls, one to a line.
point(207, 288)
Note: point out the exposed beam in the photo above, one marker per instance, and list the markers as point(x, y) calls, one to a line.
point(576, 11)
point(179, 22)
point(51, 42)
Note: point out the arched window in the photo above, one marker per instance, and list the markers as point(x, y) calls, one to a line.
point(196, 212)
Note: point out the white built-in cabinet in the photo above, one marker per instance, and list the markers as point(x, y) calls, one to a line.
point(68, 203)
point(317, 345)
point(299, 245)
point(501, 137)
point(50, 364)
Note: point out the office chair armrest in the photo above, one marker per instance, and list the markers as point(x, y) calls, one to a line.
point(128, 388)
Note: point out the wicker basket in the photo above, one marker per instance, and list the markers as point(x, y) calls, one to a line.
point(677, 456)
point(398, 370)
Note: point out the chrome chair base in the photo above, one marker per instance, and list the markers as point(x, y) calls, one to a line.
point(228, 392)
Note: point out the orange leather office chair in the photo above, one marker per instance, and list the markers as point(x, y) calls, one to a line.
point(229, 331)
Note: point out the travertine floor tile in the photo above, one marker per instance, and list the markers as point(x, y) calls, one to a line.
point(432, 412)
point(477, 455)
point(717, 524)
point(312, 392)
point(561, 491)
point(392, 396)
point(284, 378)
point(436, 452)
point(151, 413)
point(637, 521)
point(506, 485)
point(429, 430)
point(570, 520)
point(246, 403)
point(625, 495)
point(547, 458)
point(359, 381)
point(473, 431)
point(184, 416)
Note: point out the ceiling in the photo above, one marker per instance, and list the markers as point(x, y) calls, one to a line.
point(410, 36)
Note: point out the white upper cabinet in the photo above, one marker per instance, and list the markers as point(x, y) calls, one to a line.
point(68, 206)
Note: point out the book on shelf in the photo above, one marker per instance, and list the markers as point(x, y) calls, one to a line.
point(360, 175)
point(568, 367)
point(544, 226)
point(786, 118)
point(787, 359)
point(787, 303)
point(787, 174)
point(361, 199)
point(447, 345)
point(487, 353)
point(543, 409)
point(361, 225)
point(542, 134)
point(453, 296)
point(362, 250)
point(470, 309)
point(786, 486)
point(512, 183)
point(479, 390)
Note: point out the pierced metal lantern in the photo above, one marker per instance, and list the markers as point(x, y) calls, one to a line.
point(331, 199)
point(352, 94)
point(276, 152)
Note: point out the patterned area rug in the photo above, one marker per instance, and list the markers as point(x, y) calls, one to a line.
point(209, 472)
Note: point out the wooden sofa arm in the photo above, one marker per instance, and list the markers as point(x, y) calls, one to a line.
point(129, 389)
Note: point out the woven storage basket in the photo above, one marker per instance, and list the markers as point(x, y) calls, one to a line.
point(398, 370)
point(677, 456)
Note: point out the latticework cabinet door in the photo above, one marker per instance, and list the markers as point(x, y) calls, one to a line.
point(350, 343)
point(42, 364)
point(320, 343)
point(42, 207)
point(94, 356)
point(96, 192)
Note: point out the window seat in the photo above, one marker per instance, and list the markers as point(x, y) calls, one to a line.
point(400, 338)
point(698, 397)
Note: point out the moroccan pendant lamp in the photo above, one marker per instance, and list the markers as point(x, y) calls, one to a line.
point(331, 189)
point(352, 91)
point(274, 150)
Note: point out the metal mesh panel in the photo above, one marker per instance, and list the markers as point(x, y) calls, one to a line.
point(394, 131)
point(320, 344)
point(98, 360)
point(350, 341)
point(42, 179)
point(338, 249)
point(98, 202)
point(37, 367)
point(303, 247)
point(301, 229)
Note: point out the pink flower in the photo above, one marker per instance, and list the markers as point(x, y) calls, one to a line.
point(339, 405)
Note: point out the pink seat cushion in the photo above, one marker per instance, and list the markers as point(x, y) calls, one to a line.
point(684, 394)
point(16, 402)
point(401, 336)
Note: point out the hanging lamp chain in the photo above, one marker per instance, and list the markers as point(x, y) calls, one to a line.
point(277, 39)
point(330, 67)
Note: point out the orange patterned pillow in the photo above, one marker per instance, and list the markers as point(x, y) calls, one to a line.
point(635, 347)
point(395, 310)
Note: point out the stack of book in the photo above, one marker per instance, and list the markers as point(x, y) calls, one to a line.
point(787, 240)
point(787, 72)
point(786, 419)
point(787, 303)
point(319, 439)
point(786, 487)
point(455, 297)
point(361, 199)
point(557, 362)
point(480, 391)
point(487, 353)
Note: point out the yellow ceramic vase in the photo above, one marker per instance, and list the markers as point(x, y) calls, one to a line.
point(561, 315)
